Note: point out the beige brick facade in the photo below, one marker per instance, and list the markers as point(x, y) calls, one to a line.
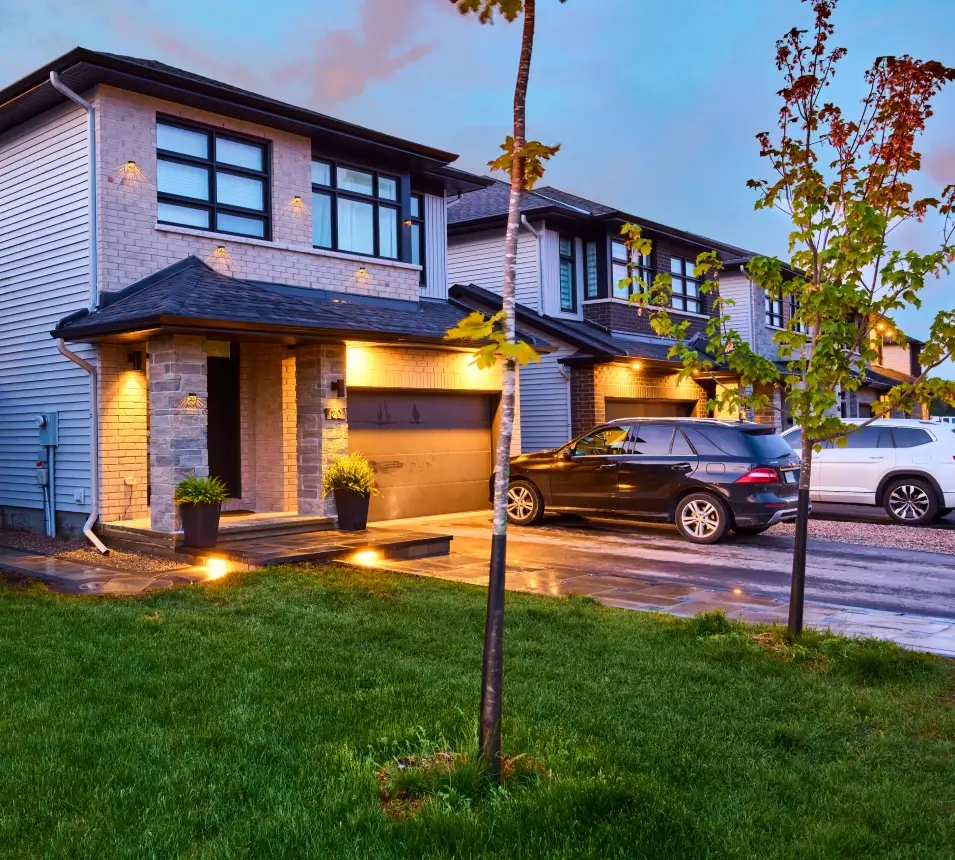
point(132, 245)
point(124, 424)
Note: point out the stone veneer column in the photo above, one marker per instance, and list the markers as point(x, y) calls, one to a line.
point(319, 439)
point(177, 425)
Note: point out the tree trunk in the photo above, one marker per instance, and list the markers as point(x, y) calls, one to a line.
point(492, 674)
point(797, 591)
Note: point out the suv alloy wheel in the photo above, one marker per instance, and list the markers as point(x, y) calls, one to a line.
point(701, 518)
point(911, 501)
point(524, 506)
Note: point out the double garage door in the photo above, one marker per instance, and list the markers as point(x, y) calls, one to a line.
point(431, 452)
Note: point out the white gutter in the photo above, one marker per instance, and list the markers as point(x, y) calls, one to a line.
point(93, 302)
point(539, 236)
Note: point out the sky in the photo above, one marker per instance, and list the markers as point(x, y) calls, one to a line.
point(655, 105)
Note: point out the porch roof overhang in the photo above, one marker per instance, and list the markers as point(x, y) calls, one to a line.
point(190, 297)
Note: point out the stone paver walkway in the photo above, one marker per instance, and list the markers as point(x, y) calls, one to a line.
point(626, 591)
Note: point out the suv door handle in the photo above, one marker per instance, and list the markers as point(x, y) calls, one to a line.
point(608, 466)
point(877, 457)
point(681, 467)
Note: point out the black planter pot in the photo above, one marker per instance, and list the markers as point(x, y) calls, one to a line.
point(352, 510)
point(200, 524)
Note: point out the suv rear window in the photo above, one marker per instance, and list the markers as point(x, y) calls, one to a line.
point(910, 437)
point(767, 446)
point(715, 441)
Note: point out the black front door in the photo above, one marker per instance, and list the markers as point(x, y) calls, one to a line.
point(225, 458)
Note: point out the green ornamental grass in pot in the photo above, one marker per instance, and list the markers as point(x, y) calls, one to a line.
point(200, 501)
point(351, 480)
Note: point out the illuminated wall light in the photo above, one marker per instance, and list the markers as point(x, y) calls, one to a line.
point(636, 365)
point(130, 174)
point(191, 403)
point(361, 273)
point(296, 205)
point(220, 251)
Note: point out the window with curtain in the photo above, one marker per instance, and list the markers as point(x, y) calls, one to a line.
point(568, 290)
point(355, 210)
point(211, 180)
point(619, 270)
point(591, 287)
point(686, 287)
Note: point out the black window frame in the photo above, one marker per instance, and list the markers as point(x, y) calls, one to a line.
point(422, 241)
point(793, 310)
point(214, 168)
point(641, 268)
point(591, 270)
point(333, 192)
point(684, 276)
point(774, 311)
point(571, 259)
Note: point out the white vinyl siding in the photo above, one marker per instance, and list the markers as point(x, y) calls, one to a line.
point(435, 247)
point(737, 287)
point(545, 403)
point(43, 277)
point(479, 260)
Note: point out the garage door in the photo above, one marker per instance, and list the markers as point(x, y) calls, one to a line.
point(431, 452)
point(649, 409)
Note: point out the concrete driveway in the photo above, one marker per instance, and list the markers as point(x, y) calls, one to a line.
point(643, 567)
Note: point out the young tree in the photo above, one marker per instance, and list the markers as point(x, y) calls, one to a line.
point(523, 160)
point(846, 186)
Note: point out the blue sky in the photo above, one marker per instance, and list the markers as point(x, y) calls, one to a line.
point(655, 104)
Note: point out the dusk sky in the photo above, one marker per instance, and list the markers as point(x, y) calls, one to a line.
point(655, 104)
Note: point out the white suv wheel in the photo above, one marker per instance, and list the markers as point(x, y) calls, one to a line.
point(911, 502)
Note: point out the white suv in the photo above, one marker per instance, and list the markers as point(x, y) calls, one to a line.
point(903, 464)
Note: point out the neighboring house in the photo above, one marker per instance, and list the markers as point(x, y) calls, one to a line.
point(608, 362)
point(266, 289)
point(896, 364)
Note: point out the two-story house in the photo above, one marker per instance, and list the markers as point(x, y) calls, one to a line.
point(233, 286)
point(607, 362)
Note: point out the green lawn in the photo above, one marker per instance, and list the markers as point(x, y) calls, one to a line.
point(248, 719)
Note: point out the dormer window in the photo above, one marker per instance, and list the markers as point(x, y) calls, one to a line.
point(686, 287)
point(568, 279)
point(354, 210)
point(211, 181)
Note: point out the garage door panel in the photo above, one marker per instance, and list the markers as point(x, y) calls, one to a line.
point(616, 409)
point(431, 452)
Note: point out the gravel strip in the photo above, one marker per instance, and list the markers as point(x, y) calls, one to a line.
point(79, 550)
point(131, 562)
point(876, 534)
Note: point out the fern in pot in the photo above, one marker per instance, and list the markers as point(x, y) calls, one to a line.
point(200, 501)
point(351, 480)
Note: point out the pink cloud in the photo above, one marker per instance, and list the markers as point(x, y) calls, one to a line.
point(941, 165)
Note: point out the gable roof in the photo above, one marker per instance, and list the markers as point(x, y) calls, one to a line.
point(593, 342)
point(488, 207)
point(190, 295)
point(81, 69)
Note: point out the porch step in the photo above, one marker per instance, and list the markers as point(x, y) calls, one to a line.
point(230, 532)
point(325, 546)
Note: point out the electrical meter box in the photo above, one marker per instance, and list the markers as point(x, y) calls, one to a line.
point(46, 424)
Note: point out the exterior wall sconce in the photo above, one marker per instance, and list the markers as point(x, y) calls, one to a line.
point(135, 359)
point(407, 223)
point(130, 174)
point(296, 205)
point(338, 386)
point(220, 252)
point(636, 365)
point(221, 260)
point(362, 272)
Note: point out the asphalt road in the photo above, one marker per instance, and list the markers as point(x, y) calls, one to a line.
point(841, 574)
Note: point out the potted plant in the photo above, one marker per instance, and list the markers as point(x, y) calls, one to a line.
point(352, 481)
point(200, 500)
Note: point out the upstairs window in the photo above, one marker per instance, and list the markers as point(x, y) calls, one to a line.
point(774, 311)
point(211, 180)
point(686, 287)
point(591, 287)
point(416, 225)
point(354, 210)
point(619, 270)
point(793, 311)
point(568, 280)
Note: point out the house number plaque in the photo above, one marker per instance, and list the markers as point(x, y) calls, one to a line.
point(334, 413)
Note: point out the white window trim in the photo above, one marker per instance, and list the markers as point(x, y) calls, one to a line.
point(224, 238)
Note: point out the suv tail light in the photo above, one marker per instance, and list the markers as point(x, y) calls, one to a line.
point(760, 475)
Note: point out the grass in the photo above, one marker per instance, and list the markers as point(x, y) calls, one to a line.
point(255, 717)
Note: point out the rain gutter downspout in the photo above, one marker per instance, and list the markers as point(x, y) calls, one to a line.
point(93, 302)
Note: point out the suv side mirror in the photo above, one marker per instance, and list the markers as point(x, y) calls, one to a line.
point(568, 453)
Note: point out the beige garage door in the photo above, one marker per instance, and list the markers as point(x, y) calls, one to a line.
point(649, 409)
point(431, 452)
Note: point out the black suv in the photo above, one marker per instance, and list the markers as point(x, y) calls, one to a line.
point(706, 476)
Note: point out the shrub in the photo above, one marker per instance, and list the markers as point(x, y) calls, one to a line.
point(195, 490)
point(352, 473)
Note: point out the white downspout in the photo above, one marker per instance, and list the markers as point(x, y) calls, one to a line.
point(93, 302)
point(539, 236)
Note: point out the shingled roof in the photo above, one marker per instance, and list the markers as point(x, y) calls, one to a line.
point(191, 295)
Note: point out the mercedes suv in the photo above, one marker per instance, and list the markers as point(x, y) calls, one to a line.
point(706, 476)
